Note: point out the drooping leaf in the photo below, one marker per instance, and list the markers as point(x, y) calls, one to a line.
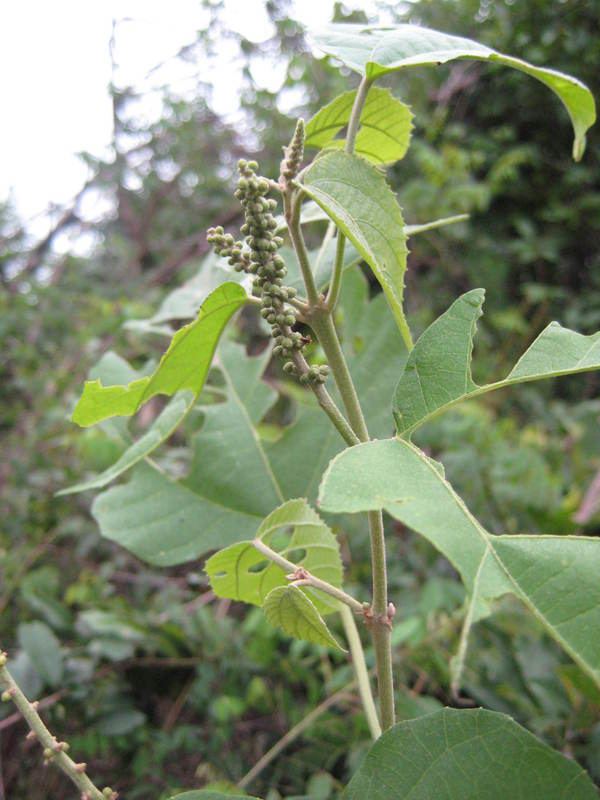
point(241, 572)
point(437, 374)
point(376, 51)
point(356, 196)
point(468, 754)
point(184, 365)
point(160, 430)
point(385, 126)
point(43, 650)
point(555, 576)
point(289, 608)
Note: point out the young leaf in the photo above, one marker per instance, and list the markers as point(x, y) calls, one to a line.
point(468, 754)
point(356, 196)
point(236, 571)
point(437, 374)
point(184, 365)
point(385, 126)
point(555, 576)
point(288, 608)
point(375, 51)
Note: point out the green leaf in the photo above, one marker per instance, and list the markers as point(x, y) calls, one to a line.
point(164, 523)
point(437, 374)
point(555, 576)
point(43, 649)
point(385, 126)
point(167, 522)
point(161, 429)
point(470, 754)
point(288, 608)
point(241, 572)
point(356, 196)
point(184, 365)
point(376, 51)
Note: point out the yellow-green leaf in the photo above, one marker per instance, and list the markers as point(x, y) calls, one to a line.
point(385, 126)
point(184, 365)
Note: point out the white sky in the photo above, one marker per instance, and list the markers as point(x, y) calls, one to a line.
point(55, 67)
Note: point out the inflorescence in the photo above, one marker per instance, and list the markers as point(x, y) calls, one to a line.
point(258, 256)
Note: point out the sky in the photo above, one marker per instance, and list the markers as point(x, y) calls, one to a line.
point(55, 63)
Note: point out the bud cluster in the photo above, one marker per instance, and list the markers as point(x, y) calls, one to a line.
point(259, 257)
point(293, 155)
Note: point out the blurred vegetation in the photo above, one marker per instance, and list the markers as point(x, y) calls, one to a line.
point(156, 684)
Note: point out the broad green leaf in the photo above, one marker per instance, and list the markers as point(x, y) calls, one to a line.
point(555, 576)
point(230, 465)
point(385, 126)
point(43, 649)
point(356, 196)
point(376, 51)
point(437, 374)
point(184, 365)
point(236, 478)
point(241, 572)
point(289, 608)
point(161, 429)
point(164, 523)
point(468, 754)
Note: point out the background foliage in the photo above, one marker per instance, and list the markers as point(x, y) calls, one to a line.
point(149, 676)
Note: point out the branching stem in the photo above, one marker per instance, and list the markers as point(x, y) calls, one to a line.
point(305, 578)
point(53, 750)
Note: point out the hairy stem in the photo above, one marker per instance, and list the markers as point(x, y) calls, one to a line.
point(335, 286)
point(360, 669)
point(305, 578)
point(53, 750)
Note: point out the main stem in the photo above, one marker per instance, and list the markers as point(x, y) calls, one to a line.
point(320, 318)
point(324, 327)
